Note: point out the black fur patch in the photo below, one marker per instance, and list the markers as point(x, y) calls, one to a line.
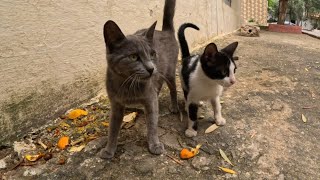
point(193, 111)
point(186, 70)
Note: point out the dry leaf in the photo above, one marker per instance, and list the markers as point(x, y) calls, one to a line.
point(221, 102)
point(63, 142)
point(211, 128)
point(43, 145)
point(130, 117)
point(77, 141)
point(106, 124)
point(224, 156)
point(77, 113)
point(33, 158)
point(77, 148)
point(306, 69)
point(304, 119)
point(227, 170)
point(187, 154)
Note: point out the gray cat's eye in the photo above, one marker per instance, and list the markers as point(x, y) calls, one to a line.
point(133, 57)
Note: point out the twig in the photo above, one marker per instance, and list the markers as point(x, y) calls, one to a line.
point(17, 165)
point(175, 159)
point(308, 107)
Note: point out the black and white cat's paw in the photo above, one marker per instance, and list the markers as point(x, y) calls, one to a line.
point(190, 133)
point(156, 149)
point(220, 121)
point(105, 154)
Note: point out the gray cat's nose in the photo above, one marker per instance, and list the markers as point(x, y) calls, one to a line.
point(150, 71)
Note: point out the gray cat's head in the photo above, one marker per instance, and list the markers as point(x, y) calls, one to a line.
point(131, 55)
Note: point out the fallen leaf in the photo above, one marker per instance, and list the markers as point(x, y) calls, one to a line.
point(77, 141)
point(227, 170)
point(43, 145)
point(221, 102)
point(63, 142)
point(187, 154)
point(224, 156)
point(33, 158)
point(77, 113)
point(304, 119)
point(306, 69)
point(77, 148)
point(130, 117)
point(211, 128)
point(82, 124)
point(106, 124)
point(61, 160)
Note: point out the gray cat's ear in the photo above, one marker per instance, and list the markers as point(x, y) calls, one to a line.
point(210, 50)
point(150, 32)
point(112, 34)
point(230, 48)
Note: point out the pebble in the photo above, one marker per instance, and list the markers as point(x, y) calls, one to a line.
point(144, 167)
point(200, 163)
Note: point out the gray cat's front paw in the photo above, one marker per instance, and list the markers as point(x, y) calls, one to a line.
point(220, 121)
point(156, 148)
point(104, 154)
point(190, 133)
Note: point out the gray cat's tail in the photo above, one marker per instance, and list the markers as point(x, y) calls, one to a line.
point(182, 39)
point(168, 14)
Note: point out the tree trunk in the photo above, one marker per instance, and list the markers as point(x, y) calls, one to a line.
point(283, 4)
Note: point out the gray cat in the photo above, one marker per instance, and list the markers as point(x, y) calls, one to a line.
point(138, 64)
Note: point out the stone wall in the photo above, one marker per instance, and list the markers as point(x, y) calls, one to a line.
point(256, 10)
point(52, 53)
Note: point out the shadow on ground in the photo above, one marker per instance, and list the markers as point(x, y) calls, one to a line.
point(265, 137)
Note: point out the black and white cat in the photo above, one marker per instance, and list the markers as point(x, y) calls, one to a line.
point(204, 76)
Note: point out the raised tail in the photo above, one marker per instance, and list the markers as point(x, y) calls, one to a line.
point(182, 39)
point(168, 14)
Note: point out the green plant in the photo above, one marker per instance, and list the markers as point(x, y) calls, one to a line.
point(251, 20)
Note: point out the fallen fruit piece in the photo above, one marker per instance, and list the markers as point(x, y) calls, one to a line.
point(130, 117)
point(77, 113)
point(33, 158)
point(63, 142)
point(224, 156)
point(211, 128)
point(47, 156)
point(77, 148)
point(227, 170)
point(304, 119)
point(187, 154)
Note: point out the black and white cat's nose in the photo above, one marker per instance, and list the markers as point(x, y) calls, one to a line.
point(150, 70)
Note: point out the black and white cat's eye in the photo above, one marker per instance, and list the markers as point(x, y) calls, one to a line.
point(153, 55)
point(133, 57)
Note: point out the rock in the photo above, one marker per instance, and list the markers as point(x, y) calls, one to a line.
point(3, 164)
point(145, 166)
point(171, 140)
point(249, 31)
point(200, 163)
point(94, 145)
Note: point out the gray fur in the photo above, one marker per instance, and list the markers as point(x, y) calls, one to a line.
point(139, 82)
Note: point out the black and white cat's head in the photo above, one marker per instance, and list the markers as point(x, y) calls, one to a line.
point(220, 65)
point(131, 55)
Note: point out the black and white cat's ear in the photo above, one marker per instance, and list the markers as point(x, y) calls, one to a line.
point(210, 50)
point(150, 32)
point(112, 34)
point(230, 49)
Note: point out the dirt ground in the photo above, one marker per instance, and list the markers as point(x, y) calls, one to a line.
point(264, 137)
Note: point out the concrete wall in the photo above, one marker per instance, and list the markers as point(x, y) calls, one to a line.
point(52, 52)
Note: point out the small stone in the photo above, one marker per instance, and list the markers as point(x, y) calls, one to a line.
point(200, 162)
point(281, 177)
point(145, 166)
point(3, 164)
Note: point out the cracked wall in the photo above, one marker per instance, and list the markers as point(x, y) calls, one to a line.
point(52, 53)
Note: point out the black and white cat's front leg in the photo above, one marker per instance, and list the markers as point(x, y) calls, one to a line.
point(192, 111)
point(117, 112)
point(152, 114)
point(215, 102)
